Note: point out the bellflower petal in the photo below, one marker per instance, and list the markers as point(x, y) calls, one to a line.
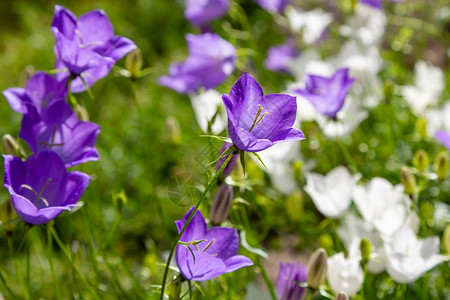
point(327, 94)
point(279, 57)
point(215, 255)
point(211, 60)
point(276, 113)
point(344, 274)
point(199, 12)
point(443, 137)
point(290, 276)
point(41, 188)
point(274, 6)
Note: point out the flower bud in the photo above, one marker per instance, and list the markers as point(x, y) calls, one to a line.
point(421, 160)
point(133, 62)
point(441, 165)
point(388, 89)
point(421, 127)
point(173, 130)
point(408, 181)
point(364, 247)
point(7, 214)
point(174, 289)
point(221, 204)
point(11, 146)
point(298, 169)
point(342, 296)
point(446, 239)
point(81, 113)
point(120, 200)
point(317, 268)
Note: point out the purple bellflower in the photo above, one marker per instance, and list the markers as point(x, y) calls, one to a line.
point(327, 95)
point(41, 188)
point(40, 91)
point(214, 250)
point(280, 56)
point(255, 121)
point(443, 137)
point(290, 276)
point(274, 6)
point(49, 123)
point(199, 12)
point(377, 3)
point(211, 60)
point(86, 46)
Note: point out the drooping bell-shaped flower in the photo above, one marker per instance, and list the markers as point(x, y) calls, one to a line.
point(290, 278)
point(58, 129)
point(200, 12)
point(344, 274)
point(41, 188)
point(327, 94)
point(211, 60)
point(40, 91)
point(86, 46)
point(213, 251)
point(255, 121)
point(49, 123)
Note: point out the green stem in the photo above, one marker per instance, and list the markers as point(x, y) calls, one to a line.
point(266, 278)
point(348, 156)
point(28, 271)
point(197, 205)
point(50, 260)
point(74, 266)
point(3, 280)
point(136, 103)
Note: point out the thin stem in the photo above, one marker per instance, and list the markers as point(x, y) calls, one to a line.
point(197, 205)
point(190, 289)
point(266, 278)
point(136, 103)
point(50, 260)
point(74, 266)
point(28, 271)
point(3, 280)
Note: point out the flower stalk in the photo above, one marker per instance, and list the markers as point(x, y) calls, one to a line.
point(196, 207)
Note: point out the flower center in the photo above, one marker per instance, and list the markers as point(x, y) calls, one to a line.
point(38, 196)
point(258, 117)
point(52, 139)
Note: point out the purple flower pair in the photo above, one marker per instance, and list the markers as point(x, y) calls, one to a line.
point(211, 60)
point(49, 123)
point(86, 47)
point(213, 251)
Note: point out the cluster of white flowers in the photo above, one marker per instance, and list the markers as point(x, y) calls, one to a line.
point(387, 221)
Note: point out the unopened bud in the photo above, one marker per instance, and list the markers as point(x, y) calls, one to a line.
point(133, 62)
point(342, 296)
point(388, 89)
point(173, 130)
point(421, 160)
point(81, 113)
point(7, 214)
point(317, 268)
point(10, 145)
point(364, 247)
point(446, 238)
point(221, 204)
point(326, 241)
point(408, 181)
point(297, 166)
point(294, 206)
point(421, 127)
point(174, 289)
point(120, 200)
point(441, 165)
